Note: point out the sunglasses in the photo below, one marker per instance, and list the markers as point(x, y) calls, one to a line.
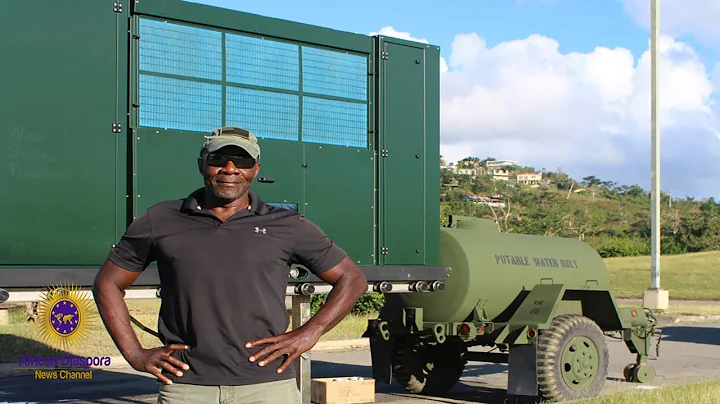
point(220, 160)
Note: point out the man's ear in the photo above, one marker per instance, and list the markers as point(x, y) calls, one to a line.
point(200, 165)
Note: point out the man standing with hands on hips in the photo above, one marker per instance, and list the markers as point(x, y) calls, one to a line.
point(223, 258)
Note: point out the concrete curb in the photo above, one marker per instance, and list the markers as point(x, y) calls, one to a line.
point(340, 345)
point(324, 346)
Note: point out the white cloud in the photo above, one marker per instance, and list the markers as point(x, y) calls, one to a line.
point(390, 31)
point(698, 18)
point(588, 113)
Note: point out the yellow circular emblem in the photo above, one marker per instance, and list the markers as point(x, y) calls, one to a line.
point(65, 316)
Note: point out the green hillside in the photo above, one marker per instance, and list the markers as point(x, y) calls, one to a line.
point(614, 219)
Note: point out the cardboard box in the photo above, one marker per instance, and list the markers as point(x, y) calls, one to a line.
point(343, 390)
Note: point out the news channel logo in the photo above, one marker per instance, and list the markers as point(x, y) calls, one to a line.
point(65, 316)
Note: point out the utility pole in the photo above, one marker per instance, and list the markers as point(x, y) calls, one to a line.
point(655, 297)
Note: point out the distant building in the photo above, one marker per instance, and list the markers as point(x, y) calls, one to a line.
point(499, 163)
point(467, 171)
point(495, 200)
point(500, 175)
point(529, 178)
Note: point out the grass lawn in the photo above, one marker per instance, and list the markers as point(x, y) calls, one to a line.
point(687, 276)
point(701, 392)
point(22, 337)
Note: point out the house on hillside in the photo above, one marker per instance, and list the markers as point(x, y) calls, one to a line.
point(500, 174)
point(496, 170)
point(467, 171)
point(494, 201)
point(493, 164)
point(532, 179)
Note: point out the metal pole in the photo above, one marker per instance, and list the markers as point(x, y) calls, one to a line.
point(655, 144)
point(300, 315)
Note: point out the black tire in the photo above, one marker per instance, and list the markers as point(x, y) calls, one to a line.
point(559, 380)
point(429, 369)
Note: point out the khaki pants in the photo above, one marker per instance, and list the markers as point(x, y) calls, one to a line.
point(279, 392)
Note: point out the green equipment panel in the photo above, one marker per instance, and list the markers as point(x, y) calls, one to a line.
point(165, 166)
point(339, 197)
point(60, 94)
point(404, 154)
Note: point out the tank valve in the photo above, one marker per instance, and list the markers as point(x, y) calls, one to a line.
point(294, 273)
point(437, 286)
point(305, 289)
point(298, 272)
point(419, 286)
point(383, 287)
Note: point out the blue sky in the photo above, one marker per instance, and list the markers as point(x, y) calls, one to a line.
point(579, 25)
point(597, 123)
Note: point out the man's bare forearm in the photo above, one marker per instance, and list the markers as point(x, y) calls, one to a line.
point(341, 299)
point(116, 317)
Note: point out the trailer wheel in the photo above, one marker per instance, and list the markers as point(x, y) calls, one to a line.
point(572, 359)
point(429, 369)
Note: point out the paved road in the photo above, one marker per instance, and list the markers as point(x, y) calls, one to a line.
point(687, 352)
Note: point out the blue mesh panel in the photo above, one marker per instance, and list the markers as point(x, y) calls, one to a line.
point(179, 104)
point(284, 205)
point(180, 50)
point(262, 62)
point(334, 122)
point(267, 114)
point(334, 74)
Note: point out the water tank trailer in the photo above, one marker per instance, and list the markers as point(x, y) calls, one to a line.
point(543, 303)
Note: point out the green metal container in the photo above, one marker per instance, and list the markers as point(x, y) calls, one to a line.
point(496, 267)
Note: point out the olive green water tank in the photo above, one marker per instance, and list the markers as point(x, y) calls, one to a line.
point(495, 266)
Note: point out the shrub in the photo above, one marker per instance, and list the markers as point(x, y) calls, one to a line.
point(367, 304)
point(620, 247)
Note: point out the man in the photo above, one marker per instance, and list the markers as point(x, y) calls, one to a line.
point(223, 258)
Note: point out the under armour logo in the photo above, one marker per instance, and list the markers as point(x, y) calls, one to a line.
point(259, 230)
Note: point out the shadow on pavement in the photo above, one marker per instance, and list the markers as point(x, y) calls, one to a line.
point(695, 335)
point(106, 386)
point(465, 390)
point(19, 385)
point(484, 369)
point(322, 369)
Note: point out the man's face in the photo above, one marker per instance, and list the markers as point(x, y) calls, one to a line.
point(223, 178)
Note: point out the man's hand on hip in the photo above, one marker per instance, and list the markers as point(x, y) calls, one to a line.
point(293, 344)
point(155, 359)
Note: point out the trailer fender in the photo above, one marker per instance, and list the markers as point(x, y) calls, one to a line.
point(535, 312)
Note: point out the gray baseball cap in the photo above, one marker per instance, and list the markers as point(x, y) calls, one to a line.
point(232, 136)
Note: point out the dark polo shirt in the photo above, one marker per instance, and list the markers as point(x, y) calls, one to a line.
point(223, 284)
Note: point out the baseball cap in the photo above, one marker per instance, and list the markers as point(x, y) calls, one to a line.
point(232, 136)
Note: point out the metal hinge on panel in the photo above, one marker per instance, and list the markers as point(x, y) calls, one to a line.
point(384, 251)
point(384, 153)
point(117, 128)
point(384, 56)
point(117, 7)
